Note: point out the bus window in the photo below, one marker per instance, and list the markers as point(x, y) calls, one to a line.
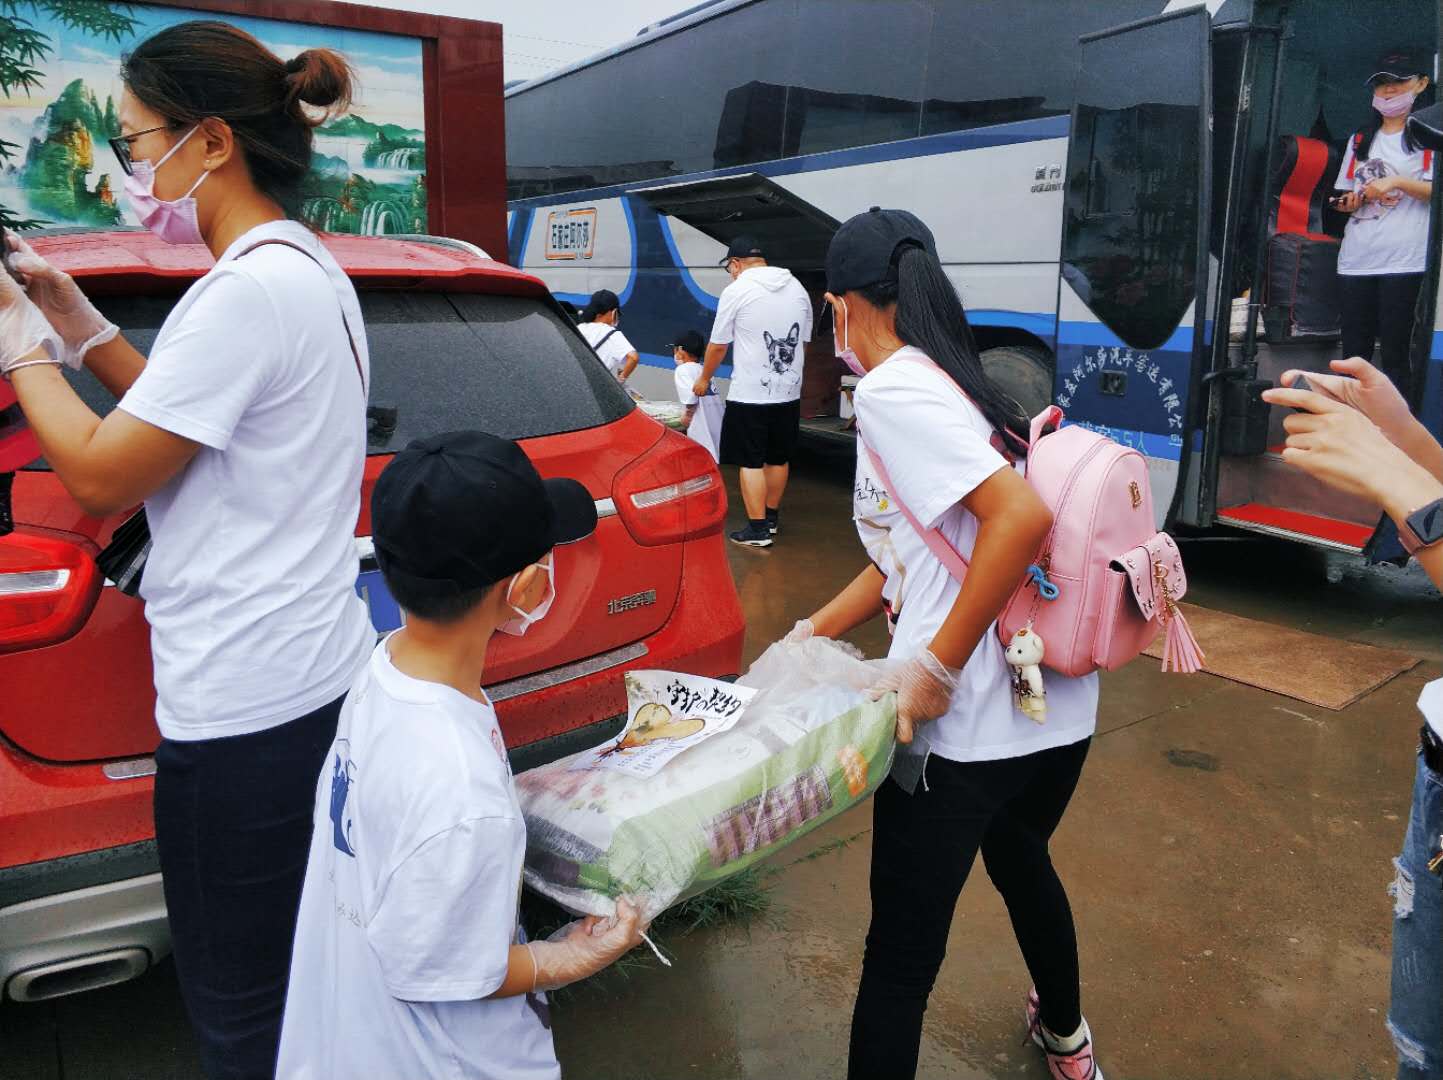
point(1135, 185)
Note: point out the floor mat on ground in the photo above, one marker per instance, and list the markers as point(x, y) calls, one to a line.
point(1322, 671)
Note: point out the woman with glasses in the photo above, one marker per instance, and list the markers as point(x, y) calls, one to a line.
point(243, 432)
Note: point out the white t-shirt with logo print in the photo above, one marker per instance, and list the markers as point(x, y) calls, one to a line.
point(766, 317)
point(937, 448)
point(609, 343)
point(1389, 236)
point(409, 908)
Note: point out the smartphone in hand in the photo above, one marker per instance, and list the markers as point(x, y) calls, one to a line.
point(6, 255)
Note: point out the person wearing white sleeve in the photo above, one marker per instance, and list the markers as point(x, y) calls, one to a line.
point(704, 414)
point(1386, 185)
point(409, 958)
point(973, 773)
point(244, 434)
point(765, 317)
point(600, 325)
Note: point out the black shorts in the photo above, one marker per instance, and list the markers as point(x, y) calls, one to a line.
point(757, 435)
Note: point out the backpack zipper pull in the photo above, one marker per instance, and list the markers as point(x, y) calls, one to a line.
point(1037, 574)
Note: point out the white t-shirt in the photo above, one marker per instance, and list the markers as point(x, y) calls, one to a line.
point(410, 902)
point(1430, 704)
point(686, 376)
point(766, 317)
point(1385, 237)
point(937, 449)
point(250, 585)
point(614, 348)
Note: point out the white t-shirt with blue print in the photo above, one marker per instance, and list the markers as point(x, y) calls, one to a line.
point(410, 903)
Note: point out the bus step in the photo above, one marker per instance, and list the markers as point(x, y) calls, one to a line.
point(1312, 529)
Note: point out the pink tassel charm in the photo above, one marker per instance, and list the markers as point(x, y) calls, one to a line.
point(1180, 651)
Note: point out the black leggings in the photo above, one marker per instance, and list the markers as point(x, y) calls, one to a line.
point(1381, 307)
point(233, 825)
point(923, 846)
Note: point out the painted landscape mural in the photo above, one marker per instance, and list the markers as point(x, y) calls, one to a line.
point(60, 91)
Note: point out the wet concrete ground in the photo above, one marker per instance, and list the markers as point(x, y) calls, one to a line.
point(1227, 855)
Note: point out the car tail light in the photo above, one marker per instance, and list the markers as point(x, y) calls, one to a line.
point(47, 589)
point(671, 492)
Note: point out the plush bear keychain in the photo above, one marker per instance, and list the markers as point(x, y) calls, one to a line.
point(1024, 654)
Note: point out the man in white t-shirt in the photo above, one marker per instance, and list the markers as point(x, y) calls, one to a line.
point(600, 326)
point(765, 316)
point(703, 414)
point(409, 960)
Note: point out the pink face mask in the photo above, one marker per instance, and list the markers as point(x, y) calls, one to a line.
point(174, 221)
point(1397, 105)
point(843, 350)
point(519, 625)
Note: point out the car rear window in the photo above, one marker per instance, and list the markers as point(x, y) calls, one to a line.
point(442, 362)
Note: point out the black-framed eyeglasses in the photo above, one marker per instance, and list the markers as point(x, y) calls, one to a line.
point(120, 146)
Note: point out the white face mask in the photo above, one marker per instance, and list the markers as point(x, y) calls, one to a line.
point(840, 346)
point(518, 626)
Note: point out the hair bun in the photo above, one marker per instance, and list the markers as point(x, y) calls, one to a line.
point(320, 77)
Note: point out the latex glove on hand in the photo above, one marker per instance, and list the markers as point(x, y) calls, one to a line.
point(803, 631)
point(26, 338)
point(581, 949)
point(76, 320)
point(924, 688)
point(1361, 385)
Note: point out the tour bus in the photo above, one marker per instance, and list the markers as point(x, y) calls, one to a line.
point(1131, 196)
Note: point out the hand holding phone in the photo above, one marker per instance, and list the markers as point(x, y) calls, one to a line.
point(6, 254)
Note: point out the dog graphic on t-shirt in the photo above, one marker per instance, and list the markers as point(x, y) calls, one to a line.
point(781, 355)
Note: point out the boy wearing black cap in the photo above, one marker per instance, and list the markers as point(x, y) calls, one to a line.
point(408, 957)
point(765, 316)
point(703, 414)
point(600, 322)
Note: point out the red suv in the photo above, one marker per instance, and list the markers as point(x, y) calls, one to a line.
point(457, 341)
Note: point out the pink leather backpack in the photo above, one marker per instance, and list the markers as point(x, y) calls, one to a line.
point(1105, 580)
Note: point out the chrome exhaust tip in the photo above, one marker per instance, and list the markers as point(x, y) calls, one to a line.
point(76, 975)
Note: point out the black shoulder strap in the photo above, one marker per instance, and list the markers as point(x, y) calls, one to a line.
point(350, 338)
point(605, 338)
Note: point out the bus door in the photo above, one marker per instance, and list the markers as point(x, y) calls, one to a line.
point(794, 234)
point(1133, 276)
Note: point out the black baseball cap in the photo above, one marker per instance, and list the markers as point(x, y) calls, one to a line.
point(862, 250)
point(602, 301)
point(743, 247)
point(691, 342)
point(464, 510)
point(1401, 62)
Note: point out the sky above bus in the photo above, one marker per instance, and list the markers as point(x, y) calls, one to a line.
point(541, 35)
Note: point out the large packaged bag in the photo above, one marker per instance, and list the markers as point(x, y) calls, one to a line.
point(808, 746)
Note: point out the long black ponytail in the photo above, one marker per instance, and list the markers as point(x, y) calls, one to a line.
point(930, 317)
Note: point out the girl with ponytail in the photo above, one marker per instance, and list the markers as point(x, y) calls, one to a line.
point(973, 772)
point(244, 433)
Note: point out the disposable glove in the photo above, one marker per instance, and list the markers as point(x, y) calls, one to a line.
point(581, 949)
point(924, 688)
point(22, 329)
point(76, 320)
point(803, 631)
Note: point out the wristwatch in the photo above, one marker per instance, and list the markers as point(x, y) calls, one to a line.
point(1422, 528)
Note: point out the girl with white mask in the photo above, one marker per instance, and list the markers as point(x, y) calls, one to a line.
point(1386, 183)
point(243, 432)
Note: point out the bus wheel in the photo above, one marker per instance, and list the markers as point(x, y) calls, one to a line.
point(1022, 373)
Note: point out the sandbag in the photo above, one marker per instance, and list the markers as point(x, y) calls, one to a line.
point(808, 747)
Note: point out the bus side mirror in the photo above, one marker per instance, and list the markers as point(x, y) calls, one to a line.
point(1426, 127)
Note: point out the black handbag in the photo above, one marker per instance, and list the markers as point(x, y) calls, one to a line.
point(123, 559)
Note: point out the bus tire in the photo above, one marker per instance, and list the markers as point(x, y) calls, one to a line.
point(1023, 373)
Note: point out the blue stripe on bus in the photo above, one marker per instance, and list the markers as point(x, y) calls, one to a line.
point(704, 298)
point(1038, 324)
point(1048, 127)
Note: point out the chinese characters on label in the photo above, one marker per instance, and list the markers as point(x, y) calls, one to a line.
point(1140, 364)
